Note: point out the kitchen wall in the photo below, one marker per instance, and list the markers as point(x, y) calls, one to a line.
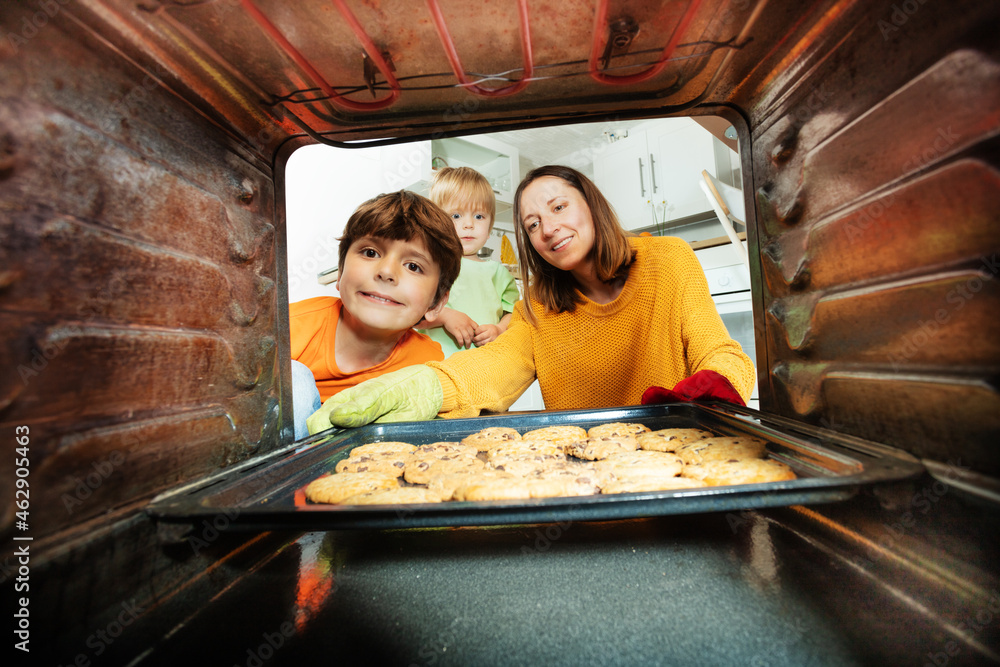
point(324, 186)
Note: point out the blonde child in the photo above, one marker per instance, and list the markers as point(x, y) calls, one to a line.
point(482, 298)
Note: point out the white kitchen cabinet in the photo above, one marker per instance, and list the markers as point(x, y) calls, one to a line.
point(682, 154)
point(622, 174)
point(651, 176)
point(415, 164)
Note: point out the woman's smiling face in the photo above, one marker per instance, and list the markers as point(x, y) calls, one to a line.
point(557, 220)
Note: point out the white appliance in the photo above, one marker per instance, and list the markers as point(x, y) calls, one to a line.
point(729, 284)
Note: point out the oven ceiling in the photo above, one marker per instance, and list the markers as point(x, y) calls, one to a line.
point(351, 69)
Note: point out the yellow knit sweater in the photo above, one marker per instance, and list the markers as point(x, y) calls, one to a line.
point(662, 328)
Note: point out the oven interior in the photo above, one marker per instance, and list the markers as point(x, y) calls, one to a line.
point(144, 329)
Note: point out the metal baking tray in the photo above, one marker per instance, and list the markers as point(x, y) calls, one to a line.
point(267, 493)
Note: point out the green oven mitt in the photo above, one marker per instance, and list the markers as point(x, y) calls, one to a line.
point(410, 394)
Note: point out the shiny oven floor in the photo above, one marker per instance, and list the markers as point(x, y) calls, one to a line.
point(784, 586)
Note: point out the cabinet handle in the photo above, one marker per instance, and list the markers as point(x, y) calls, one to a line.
point(642, 184)
point(652, 171)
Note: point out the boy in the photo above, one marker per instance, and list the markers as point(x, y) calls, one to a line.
point(482, 298)
point(398, 258)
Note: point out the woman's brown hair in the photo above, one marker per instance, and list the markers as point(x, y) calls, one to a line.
point(554, 288)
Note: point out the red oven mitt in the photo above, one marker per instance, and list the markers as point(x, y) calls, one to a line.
point(702, 386)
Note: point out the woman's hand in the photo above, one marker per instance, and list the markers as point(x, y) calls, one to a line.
point(704, 385)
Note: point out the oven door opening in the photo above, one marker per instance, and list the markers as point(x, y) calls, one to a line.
point(650, 170)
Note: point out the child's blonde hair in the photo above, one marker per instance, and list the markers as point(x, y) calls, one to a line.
point(463, 186)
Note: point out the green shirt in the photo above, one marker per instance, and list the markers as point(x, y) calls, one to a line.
point(484, 291)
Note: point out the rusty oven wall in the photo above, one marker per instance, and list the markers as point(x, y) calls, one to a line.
point(138, 307)
point(141, 307)
point(878, 203)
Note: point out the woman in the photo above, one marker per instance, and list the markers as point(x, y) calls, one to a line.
point(608, 315)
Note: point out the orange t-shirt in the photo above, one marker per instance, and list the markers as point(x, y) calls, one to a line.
point(312, 326)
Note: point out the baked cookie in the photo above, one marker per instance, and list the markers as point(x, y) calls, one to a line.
point(616, 429)
point(334, 488)
point(749, 471)
point(494, 489)
point(517, 489)
point(398, 496)
point(444, 448)
point(444, 485)
point(641, 462)
point(420, 469)
point(558, 487)
point(583, 478)
point(488, 438)
point(600, 448)
point(721, 449)
point(387, 462)
point(527, 465)
point(558, 434)
point(654, 483)
point(670, 439)
point(525, 449)
point(381, 447)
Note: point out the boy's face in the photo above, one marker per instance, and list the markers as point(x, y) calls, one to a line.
point(389, 285)
point(472, 224)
